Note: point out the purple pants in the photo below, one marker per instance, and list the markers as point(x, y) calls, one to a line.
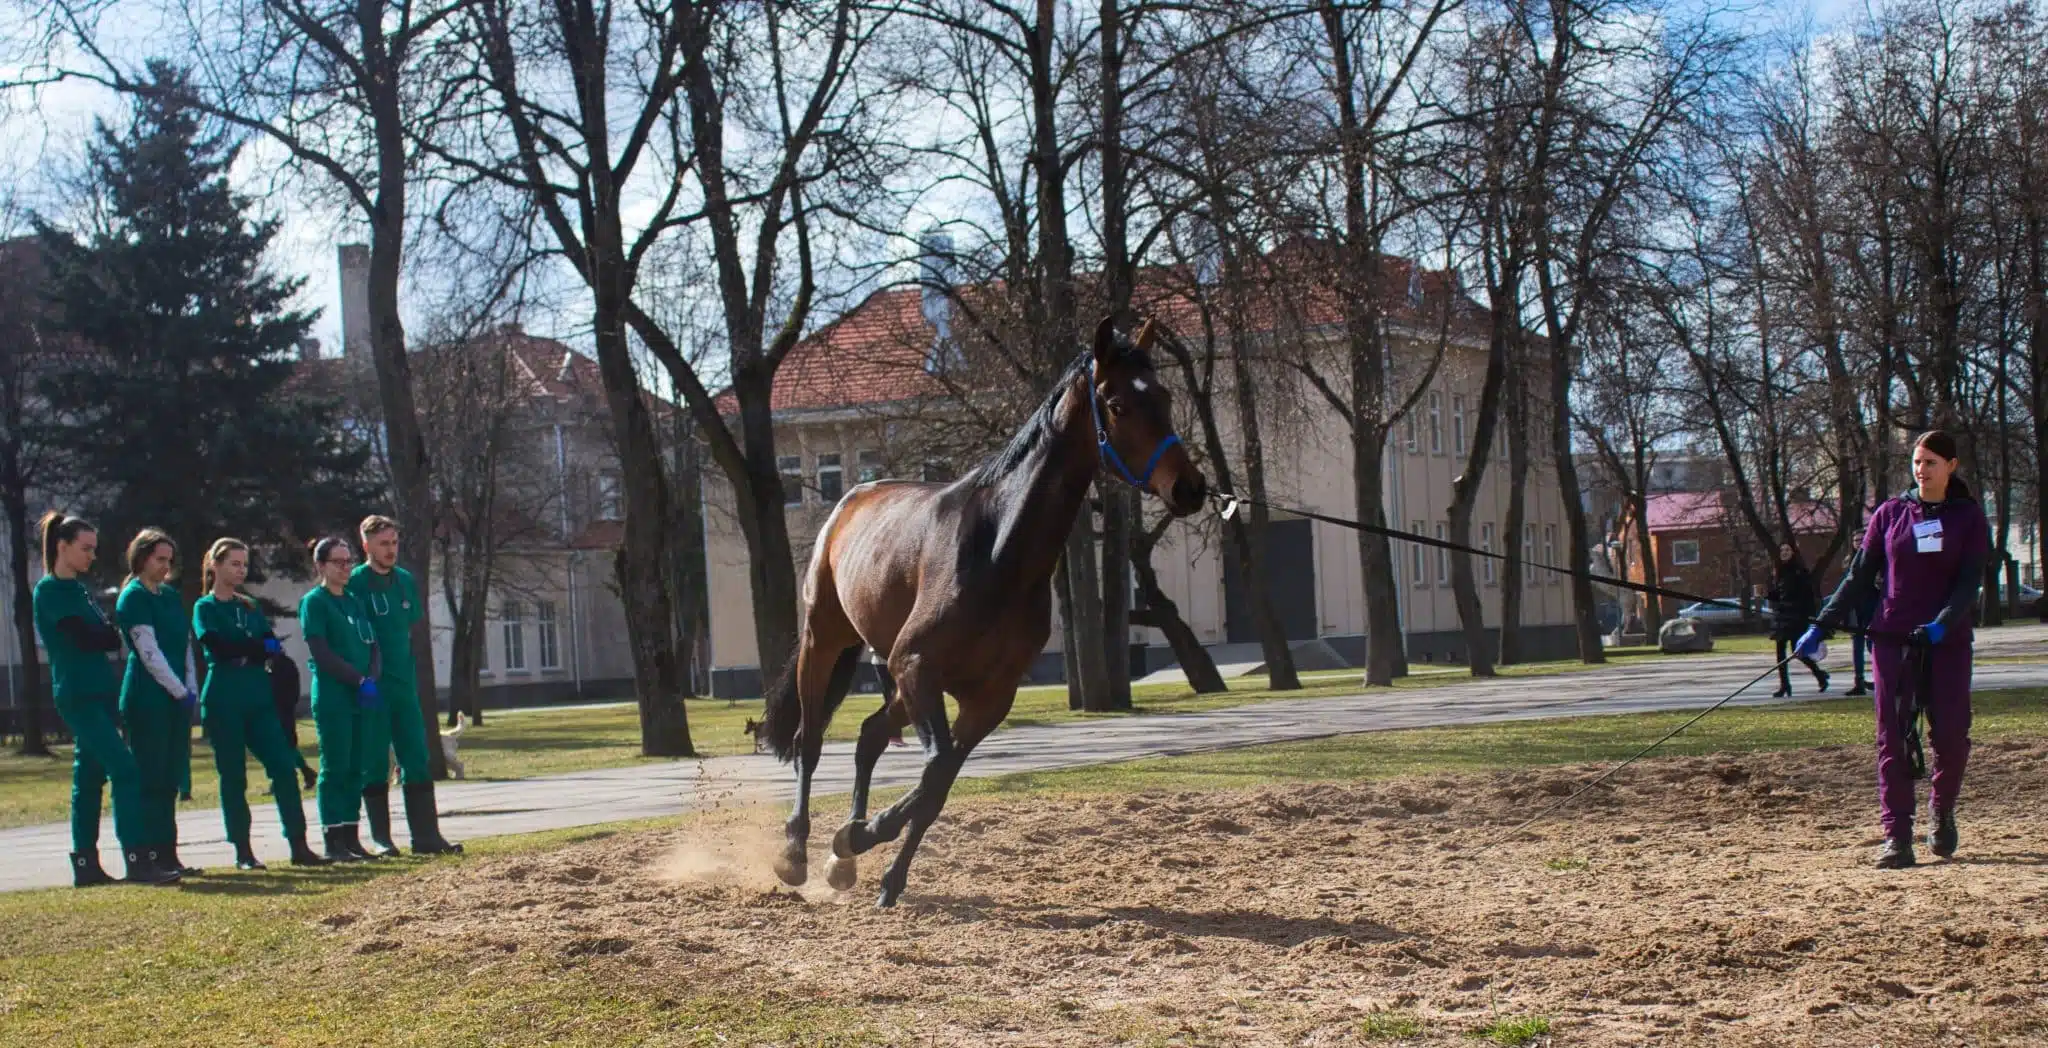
point(1948, 733)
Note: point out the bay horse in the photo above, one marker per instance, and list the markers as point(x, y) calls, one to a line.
point(951, 585)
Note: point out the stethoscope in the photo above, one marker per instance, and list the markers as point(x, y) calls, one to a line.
point(375, 609)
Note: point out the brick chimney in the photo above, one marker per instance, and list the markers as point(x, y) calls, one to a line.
point(355, 299)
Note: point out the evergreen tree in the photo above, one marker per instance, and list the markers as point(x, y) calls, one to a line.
point(184, 416)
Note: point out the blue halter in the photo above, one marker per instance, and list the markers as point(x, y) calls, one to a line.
point(1109, 454)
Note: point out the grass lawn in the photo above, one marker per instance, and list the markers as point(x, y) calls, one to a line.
point(524, 744)
point(246, 959)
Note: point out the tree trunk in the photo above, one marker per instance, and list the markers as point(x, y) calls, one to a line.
point(1250, 536)
point(1653, 606)
point(1162, 614)
point(642, 563)
point(771, 562)
point(1464, 500)
point(1513, 648)
point(33, 689)
point(1070, 646)
point(1384, 648)
point(1117, 512)
point(1587, 624)
point(1086, 599)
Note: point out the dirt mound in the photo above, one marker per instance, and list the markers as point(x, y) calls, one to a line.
point(1720, 900)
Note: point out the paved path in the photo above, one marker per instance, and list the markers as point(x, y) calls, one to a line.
point(35, 855)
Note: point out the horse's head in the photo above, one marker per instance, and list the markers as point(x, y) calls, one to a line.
point(1134, 413)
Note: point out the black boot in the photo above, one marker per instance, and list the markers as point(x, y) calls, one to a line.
point(1822, 678)
point(337, 845)
point(306, 776)
point(377, 801)
point(169, 855)
point(354, 843)
point(1942, 841)
point(85, 870)
point(424, 821)
point(245, 857)
point(304, 856)
point(1897, 853)
point(1859, 690)
point(144, 867)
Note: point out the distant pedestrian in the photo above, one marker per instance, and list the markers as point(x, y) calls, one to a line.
point(1793, 603)
point(1923, 556)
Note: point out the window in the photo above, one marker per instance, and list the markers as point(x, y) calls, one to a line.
point(544, 635)
point(792, 469)
point(1528, 553)
point(1408, 432)
point(1550, 550)
point(1685, 551)
point(611, 503)
point(1486, 545)
point(1436, 423)
point(1420, 567)
point(1443, 556)
point(870, 463)
point(831, 483)
point(1458, 425)
point(515, 638)
point(936, 472)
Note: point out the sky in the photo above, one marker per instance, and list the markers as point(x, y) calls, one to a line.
point(44, 132)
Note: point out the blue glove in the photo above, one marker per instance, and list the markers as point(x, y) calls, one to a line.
point(367, 694)
point(273, 646)
point(1931, 633)
point(1809, 643)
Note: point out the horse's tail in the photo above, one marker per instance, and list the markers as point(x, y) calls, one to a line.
point(786, 708)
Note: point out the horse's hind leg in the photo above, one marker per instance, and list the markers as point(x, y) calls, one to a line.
point(948, 746)
point(823, 675)
point(875, 733)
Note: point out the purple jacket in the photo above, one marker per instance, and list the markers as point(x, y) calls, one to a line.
point(1923, 561)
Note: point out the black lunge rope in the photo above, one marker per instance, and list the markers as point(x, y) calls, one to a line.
point(1909, 704)
point(1228, 505)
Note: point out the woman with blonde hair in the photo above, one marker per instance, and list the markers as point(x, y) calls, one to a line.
point(160, 689)
point(235, 705)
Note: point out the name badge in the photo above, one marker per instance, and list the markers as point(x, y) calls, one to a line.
point(1927, 536)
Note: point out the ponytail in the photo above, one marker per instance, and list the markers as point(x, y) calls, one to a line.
point(59, 527)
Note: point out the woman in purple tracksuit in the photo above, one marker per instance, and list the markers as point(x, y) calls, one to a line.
point(1923, 557)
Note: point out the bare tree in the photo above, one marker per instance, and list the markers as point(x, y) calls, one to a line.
point(340, 88)
point(26, 349)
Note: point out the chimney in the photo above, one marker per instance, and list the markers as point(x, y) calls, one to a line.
point(355, 299)
point(309, 350)
point(935, 275)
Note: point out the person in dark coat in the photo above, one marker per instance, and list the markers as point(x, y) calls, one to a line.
point(1794, 599)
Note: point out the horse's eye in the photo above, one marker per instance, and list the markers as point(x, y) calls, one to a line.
point(1116, 406)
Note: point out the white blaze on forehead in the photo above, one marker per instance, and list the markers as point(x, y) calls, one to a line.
point(1139, 385)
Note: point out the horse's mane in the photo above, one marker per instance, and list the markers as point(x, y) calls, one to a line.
point(1038, 429)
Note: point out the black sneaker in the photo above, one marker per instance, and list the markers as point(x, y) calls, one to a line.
point(1861, 689)
point(86, 871)
point(1897, 854)
point(1942, 840)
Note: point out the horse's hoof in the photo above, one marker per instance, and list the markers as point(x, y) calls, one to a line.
point(891, 891)
point(843, 844)
point(842, 874)
point(792, 869)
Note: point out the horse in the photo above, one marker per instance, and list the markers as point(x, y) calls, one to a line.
point(950, 585)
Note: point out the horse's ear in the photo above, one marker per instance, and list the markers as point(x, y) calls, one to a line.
point(1146, 335)
point(1105, 342)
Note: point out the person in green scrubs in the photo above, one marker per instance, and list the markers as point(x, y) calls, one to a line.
point(345, 665)
point(236, 640)
point(78, 638)
point(392, 598)
point(160, 689)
